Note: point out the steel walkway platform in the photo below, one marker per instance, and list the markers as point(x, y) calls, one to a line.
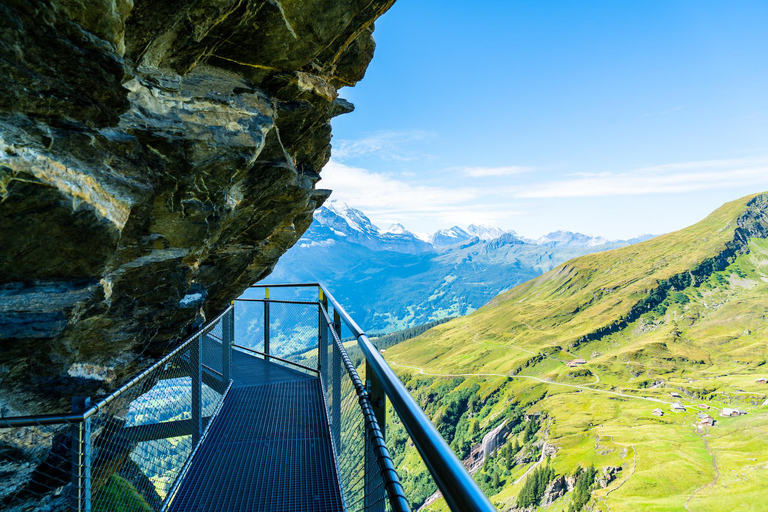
point(268, 449)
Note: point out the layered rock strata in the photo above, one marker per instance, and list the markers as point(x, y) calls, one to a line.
point(156, 158)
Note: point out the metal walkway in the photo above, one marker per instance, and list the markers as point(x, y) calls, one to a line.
point(268, 449)
point(213, 426)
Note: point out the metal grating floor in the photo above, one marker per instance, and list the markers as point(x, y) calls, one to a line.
point(251, 370)
point(269, 449)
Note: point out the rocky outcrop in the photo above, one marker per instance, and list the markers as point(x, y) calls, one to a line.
point(555, 490)
point(608, 475)
point(156, 158)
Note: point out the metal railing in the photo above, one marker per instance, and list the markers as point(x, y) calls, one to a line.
point(381, 384)
point(367, 475)
point(126, 451)
point(129, 451)
point(301, 334)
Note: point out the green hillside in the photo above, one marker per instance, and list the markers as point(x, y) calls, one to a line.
point(684, 313)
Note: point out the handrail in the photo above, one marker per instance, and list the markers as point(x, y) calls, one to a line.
point(68, 418)
point(315, 370)
point(275, 301)
point(39, 421)
point(122, 389)
point(457, 486)
point(461, 492)
point(392, 484)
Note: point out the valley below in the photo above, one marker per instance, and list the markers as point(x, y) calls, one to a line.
point(393, 280)
point(627, 380)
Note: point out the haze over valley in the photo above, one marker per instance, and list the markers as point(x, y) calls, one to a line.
point(393, 279)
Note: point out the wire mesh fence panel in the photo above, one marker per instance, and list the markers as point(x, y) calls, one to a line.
point(142, 440)
point(417, 481)
point(351, 450)
point(376, 493)
point(212, 347)
point(35, 465)
point(249, 324)
point(360, 475)
point(293, 332)
point(292, 335)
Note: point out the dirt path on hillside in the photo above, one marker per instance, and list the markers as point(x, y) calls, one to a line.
point(535, 465)
point(543, 381)
point(603, 500)
point(714, 480)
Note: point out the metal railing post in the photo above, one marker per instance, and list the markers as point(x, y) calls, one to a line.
point(374, 493)
point(228, 338)
point(336, 365)
point(80, 436)
point(322, 340)
point(196, 374)
point(266, 324)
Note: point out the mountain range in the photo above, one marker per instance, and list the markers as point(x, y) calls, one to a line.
point(393, 279)
point(627, 380)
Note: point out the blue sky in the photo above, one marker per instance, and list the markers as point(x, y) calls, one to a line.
point(611, 118)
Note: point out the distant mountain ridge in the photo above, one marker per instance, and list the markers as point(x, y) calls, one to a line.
point(393, 280)
point(338, 220)
point(448, 237)
point(350, 222)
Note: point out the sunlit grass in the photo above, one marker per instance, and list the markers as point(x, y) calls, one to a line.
point(708, 343)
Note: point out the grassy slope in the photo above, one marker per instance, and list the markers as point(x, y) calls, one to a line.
point(708, 345)
point(575, 298)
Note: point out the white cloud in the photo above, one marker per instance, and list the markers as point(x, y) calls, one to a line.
point(388, 200)
point(457, 199)
point(388, 145)
point(359, 186)
point(665, 179)
point(485, 172)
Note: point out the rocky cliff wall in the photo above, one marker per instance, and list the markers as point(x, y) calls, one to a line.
point(156, 158)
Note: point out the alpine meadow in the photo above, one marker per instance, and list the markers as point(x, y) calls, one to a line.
point(632, 379)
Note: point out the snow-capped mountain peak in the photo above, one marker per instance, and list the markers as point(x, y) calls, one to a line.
point(397, 229)
point(336, 220)
point(353, 217)
point(572, 239)
point(449, 236)
point(486, 232)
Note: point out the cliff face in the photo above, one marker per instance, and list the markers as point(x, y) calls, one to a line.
point(156, 158)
